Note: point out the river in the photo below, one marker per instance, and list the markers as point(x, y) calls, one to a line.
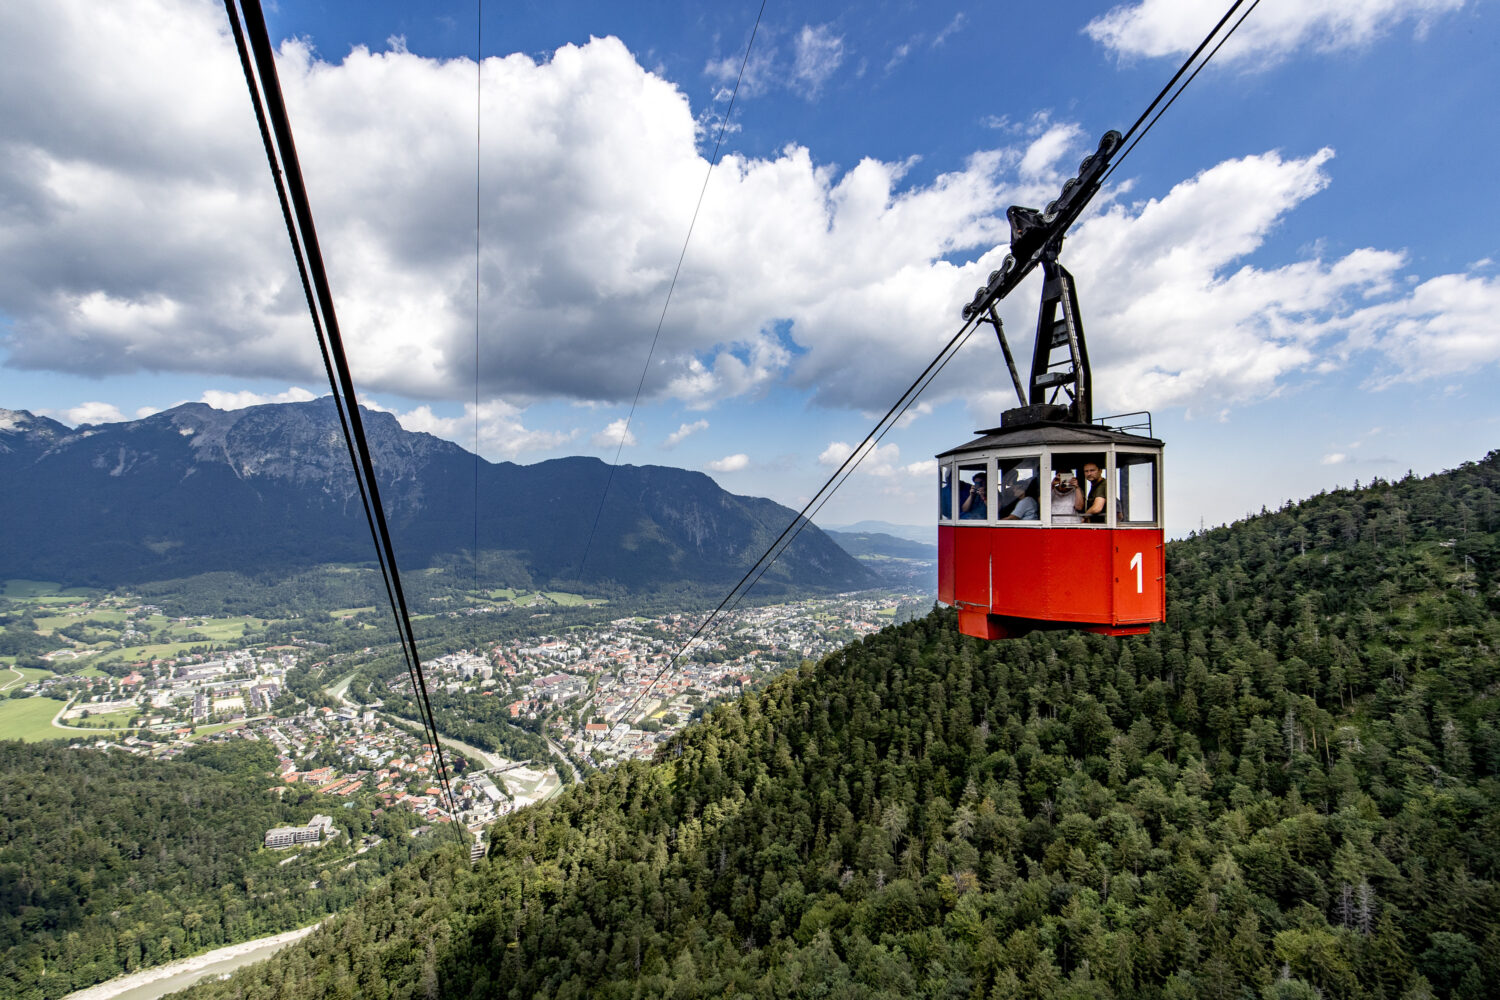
point(148, 984)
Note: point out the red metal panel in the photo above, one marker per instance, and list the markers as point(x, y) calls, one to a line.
point(1140, 583)
point(1113, 580)
point(971, 566)
point(1051, 574)
point(981, 625)
point(945, 563)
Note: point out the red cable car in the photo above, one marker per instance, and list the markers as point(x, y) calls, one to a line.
point(1024, 556)
point(1052, 520)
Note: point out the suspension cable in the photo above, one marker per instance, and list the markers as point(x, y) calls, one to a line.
point(267, 99)
point(1182, 69)
point(841, 474)
point(478, 160)
point(307, 290)
point(1173, 99)
point(712, 162)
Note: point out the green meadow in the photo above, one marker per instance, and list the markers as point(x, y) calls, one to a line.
point(29, 719)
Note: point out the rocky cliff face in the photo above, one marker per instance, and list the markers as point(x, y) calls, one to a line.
point(195, 489)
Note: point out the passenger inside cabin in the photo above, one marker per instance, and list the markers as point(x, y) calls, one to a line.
point(1026, 507)
point(945, 493)
point(1063, 486)
point(972, 507)
point(1090, 496)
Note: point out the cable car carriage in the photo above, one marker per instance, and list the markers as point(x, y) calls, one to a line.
point(1052, 520)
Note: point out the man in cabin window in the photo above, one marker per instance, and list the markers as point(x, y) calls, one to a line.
point(1090, 496)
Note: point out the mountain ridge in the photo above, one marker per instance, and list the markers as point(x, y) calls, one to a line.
point(194, 489)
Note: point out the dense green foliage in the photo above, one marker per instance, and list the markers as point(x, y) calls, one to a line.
point(1292, 787)
point(110, 862)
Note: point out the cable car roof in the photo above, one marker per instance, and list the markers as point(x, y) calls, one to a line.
point(1051, 433)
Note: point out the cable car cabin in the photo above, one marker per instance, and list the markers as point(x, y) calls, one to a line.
point(1052, 525)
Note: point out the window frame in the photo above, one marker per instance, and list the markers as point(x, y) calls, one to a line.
point(1155, 455)
point(1046, 455)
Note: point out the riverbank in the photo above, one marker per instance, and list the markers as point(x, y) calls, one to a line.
point(148, 984)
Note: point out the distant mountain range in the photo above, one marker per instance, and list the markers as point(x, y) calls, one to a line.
point(194, 489)
point(901, 562)
point(861, 544)
point(925, 533)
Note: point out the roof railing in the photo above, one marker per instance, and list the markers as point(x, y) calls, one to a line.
point(1108, 422)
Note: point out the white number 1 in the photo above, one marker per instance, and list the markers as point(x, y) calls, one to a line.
point(1135, 564)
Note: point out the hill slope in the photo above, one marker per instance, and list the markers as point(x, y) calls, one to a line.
point(193, 490)
point(110, 863)
point(1293, 786)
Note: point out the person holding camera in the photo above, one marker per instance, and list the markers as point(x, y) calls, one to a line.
point(973, 506)
point(1063, 489)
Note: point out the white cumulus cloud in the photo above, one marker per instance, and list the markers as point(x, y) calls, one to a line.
point(88, 413)
point(501, 432)
point(1170, 27)
point(142, 233)
point(730, 463)
point(880, 461)
point(819, 53)
point(615, 434)
point(221, 399)
point(683, 432)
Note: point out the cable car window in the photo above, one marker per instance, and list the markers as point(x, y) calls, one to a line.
point(945, 492)
point(973, 492)
point(1082, 474)
point(1136, 475)
point(1020, 489)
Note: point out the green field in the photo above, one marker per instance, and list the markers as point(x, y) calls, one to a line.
point(27, 588)
point(30, 719)
point(210, 730)
point(221, 628)
point(51, 623)
point(153, 651)
point(526, 597)
point(102, 720)
point(8, 678)
point(568, 600)
point(44, 590)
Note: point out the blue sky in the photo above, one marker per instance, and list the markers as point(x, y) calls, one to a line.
point(1295, 271)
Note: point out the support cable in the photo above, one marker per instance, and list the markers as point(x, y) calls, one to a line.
point(830, 485)
point(1182, 69)
point(307, 290)
point(478, 160)
point(266, 96)
point(1213, 52)
point(712, 162)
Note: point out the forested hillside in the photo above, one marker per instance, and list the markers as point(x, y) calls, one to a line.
point(110, 863)
point(1290, 790)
